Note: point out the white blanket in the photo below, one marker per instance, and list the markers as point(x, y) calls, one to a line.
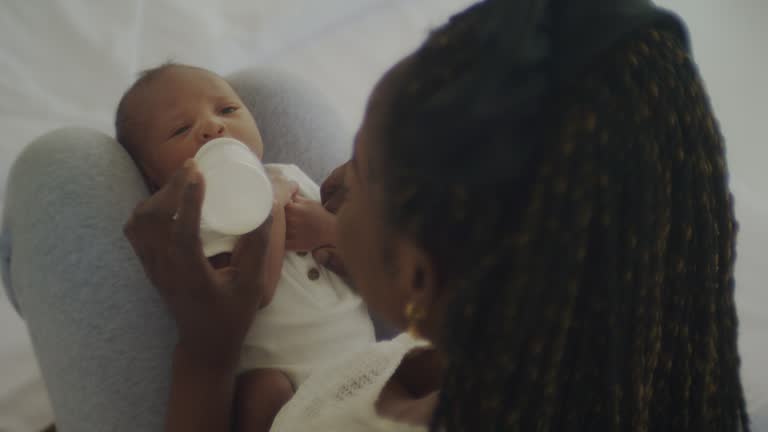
point(66, 62)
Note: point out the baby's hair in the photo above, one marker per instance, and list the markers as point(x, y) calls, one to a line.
point(587, 246)
point(123, 116)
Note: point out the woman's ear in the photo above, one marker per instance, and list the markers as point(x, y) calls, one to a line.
point(417, 276)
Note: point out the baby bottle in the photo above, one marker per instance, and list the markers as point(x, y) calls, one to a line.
point(238, 194)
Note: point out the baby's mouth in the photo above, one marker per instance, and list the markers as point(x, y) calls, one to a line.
point(221, 260)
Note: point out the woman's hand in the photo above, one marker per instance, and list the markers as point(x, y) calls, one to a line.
point(213, 309)
point(308, 225)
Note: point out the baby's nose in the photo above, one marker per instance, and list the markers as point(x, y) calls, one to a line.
point(213, 131)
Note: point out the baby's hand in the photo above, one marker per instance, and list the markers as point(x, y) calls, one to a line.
point(308, 225)
point(284, 189)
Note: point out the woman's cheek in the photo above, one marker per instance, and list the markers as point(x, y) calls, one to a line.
point(344, 228)
point(352, 244)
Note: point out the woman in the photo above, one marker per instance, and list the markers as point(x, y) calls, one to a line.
point(540, 194)
point(555, 223)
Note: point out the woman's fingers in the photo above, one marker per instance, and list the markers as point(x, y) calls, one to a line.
point(166, 202)
point(187, 216)
point(158, 211)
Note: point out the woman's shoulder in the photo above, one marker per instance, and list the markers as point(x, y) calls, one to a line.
point(341, 396)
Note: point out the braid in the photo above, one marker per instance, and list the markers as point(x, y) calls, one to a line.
point(592, 278)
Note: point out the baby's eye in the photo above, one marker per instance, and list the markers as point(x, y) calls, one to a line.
point(229, 109)
point(180, 131)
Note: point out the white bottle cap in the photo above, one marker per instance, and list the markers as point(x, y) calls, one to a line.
point(238, 193)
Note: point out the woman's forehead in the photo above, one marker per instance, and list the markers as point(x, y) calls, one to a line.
point(379, 103)
point(376, 119)
point(385, 89)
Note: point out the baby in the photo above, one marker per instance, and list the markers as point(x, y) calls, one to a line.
point(162, 121)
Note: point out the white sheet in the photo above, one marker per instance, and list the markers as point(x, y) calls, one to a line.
point(66, 62)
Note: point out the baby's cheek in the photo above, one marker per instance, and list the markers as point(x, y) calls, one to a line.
point(257, 147)
point(252, 138)
point(171, 158)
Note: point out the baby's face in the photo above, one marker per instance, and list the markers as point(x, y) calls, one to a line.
point(179, 111)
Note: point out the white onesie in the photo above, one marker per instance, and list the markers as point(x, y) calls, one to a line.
point(313, 317)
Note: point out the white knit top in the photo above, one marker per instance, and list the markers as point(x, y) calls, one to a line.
point(341, 397)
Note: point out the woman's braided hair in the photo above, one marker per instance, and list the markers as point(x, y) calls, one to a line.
point(588, 242)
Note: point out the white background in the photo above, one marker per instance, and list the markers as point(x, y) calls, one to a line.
point(67, 62)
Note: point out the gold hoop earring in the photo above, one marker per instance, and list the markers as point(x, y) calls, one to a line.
point(414, 315)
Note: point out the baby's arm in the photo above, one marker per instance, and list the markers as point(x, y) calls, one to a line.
point(276, 251)
point(284, 190)
point(308, 225)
